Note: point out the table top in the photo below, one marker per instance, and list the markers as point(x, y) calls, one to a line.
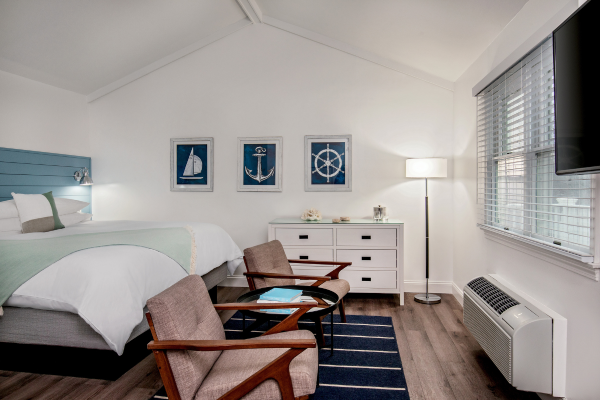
point(313, 291)
point(353, 221)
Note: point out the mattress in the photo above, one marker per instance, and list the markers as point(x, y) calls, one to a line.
point(109, 286)
point(59, 328)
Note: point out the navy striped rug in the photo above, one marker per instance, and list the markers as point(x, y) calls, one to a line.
point(365, 364)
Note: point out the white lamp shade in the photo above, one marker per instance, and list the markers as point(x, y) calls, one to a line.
point(426, 168)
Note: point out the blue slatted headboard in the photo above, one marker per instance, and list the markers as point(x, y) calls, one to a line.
point(34, 172)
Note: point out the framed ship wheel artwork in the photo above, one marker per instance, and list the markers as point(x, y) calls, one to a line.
point(328, 163)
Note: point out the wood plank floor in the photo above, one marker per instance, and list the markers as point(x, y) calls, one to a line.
point(441, 359)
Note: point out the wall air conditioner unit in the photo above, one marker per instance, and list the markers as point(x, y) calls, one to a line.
point(514, 333)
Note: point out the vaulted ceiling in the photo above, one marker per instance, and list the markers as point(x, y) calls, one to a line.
point(92, 46)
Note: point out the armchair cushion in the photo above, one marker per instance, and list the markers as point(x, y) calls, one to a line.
point(235, 366)
point(185, 312)
point(268, 257)
point(341, 287)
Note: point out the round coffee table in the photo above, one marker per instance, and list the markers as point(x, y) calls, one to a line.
point(322, 296)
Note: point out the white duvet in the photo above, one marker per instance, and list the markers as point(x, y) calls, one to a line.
point(109, 286)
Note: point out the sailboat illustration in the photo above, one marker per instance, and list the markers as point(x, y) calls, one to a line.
point(193, 167)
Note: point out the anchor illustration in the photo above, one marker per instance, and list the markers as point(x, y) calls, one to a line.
point(259, 177)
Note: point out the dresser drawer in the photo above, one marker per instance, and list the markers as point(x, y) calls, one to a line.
point(366, 237)
point(369, 258)
point(304, 237)
point(369, 279)
point(310, 254)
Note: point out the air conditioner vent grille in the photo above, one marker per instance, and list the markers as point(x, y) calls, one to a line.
point(493, 296)
point(496, 343)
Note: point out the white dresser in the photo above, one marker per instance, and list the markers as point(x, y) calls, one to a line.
point(376, 250)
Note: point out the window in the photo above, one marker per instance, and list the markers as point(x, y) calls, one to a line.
point(518, 191)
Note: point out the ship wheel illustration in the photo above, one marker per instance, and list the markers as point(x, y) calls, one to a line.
point(330, 163)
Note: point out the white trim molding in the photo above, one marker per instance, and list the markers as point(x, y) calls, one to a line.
point(458, 293)
point(235, 281)
point(418, 286)
point(589, 270)
point(526, 46)
point(358, 52)
point(252, 10)
point(220, 34)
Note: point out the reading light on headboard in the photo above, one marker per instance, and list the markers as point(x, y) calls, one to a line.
point(83, 177)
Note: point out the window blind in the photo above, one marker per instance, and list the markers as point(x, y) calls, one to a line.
point(518, 191)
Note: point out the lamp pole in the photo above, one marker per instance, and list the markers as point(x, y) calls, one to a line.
point(427, 298)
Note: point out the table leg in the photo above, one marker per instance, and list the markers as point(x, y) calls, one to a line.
point(331, 332)
point(319, 332)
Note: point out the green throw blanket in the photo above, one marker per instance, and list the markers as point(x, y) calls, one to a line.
point(21, 260)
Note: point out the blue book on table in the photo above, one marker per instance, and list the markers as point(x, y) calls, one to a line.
point(283, 295)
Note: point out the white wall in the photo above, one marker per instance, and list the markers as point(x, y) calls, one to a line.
point(36, 116)
point(575, 297)
point(262, 81)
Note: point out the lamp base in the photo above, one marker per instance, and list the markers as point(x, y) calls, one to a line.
point(428, 298)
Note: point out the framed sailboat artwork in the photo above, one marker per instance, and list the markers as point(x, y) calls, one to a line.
point(328, 163)
point(260, 164)
point(192, 165)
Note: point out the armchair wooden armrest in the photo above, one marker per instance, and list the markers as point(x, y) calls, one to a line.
point(216, 345)
point(287, 276)
point(264, 306)
point(319, 262)
point(288, 324)
point(333, 274)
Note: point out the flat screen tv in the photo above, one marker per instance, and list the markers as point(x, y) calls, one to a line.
point(577, 92)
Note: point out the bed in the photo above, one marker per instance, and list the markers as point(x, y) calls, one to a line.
point(94, 298)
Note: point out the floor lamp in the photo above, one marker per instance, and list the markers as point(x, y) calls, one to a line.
point(426, 168)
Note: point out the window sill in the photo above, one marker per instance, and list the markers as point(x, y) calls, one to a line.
point(582, 265)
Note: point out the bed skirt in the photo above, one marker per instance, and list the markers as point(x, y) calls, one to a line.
point(59, 328)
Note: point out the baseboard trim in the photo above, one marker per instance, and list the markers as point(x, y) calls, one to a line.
point(544, 396)
point(418, 286)
point(235, 281)
point(458, 293)
point(412, 286)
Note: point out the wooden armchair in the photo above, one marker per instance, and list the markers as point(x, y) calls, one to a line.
point(267, 265)
point(196, 362)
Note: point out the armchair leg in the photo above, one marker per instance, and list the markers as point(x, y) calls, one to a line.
point(319, 332)
point(342, 311)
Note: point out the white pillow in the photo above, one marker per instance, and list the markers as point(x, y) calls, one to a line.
point(69, 206)
point(74, 218)
point(8, 208)
point(37, 212)
point(10, 224)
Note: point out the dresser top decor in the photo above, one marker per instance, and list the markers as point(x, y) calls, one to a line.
point(353, 221)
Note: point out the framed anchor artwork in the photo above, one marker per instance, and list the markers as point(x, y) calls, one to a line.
point(260, 164)
point(328, 163)
point(192, 165)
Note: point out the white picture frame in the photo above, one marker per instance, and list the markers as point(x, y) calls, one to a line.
point(269, 151)
point(328, 164)
point(200, 178)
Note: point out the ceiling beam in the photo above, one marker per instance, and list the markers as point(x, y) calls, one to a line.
point(358, 52)
point(252, 10)
point(220, 34)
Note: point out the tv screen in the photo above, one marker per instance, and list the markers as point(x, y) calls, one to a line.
point(577, 92)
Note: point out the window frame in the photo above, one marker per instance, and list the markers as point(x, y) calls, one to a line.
point(490, 222)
